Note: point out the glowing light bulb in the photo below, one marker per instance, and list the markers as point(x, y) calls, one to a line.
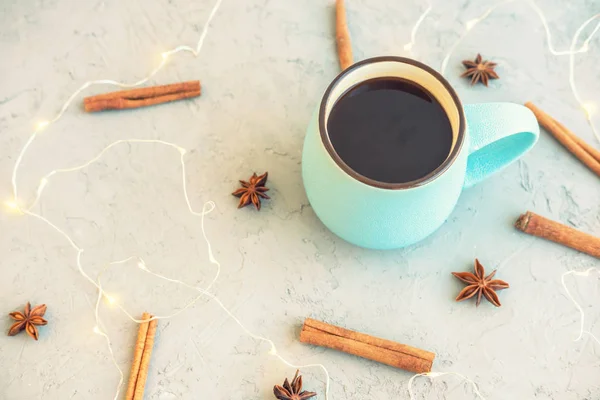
point(165, 55)
point(97, 330)
point(590, 109)
point(408, 46)
point(182, 150)
point(141, 265)
point(471, 24)
point(43, 183)
point(585, 47)
point(41, 125)
point(273, 351)
point(13, 207)
point(110, 299)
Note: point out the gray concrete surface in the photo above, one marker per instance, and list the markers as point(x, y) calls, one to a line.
point(263, 68)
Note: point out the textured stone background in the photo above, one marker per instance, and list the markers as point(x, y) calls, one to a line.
point(264, 66)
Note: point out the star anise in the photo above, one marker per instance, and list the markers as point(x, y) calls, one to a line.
point(479, 284)
point(28, 320)
point(480, 70)
point(292, 391)
point(253, 191)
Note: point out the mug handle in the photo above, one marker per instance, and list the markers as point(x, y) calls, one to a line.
point(499, 133)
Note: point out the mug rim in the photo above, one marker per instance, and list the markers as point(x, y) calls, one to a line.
point(386, 185)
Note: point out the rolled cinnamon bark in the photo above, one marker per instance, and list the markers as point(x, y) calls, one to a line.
point(145, 363)
point(142, 97)
point(137, 356)
point(381, 350)
point(342, 35)
point(545, 228)
point(578, 147)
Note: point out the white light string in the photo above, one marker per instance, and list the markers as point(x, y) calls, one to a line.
point(208, 207)
point(582, 330)
point(165, 56)
point(472, 23)
point(588, 107)
point(413, 33)
point(15, 204)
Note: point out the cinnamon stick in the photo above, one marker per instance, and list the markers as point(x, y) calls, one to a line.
point(145, 363)
point(142, 97)
point(137, 356)
point(578, 147)
point(381, 350)
point(342, 35)
point(582, 143)
point(539, 226)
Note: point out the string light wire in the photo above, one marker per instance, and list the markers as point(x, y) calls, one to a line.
point(165, 56)
point(413, 34)
point(472, 23)
point(15, 204)
point(582, 330)
point(589, 108)
point(208, 207)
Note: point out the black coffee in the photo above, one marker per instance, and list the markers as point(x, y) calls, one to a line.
point(390, 130)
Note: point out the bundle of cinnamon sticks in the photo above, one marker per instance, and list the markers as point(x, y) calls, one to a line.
point(577, 146)
point(141, 358)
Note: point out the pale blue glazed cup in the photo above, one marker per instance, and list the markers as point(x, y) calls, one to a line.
point(378, 215)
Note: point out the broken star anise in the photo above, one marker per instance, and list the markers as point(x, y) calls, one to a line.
point(479, 284)
point(292, 391)
point(28, 320)
point(253, 191)
point(480, 70)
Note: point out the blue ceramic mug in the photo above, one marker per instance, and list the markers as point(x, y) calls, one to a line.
point(379, 215)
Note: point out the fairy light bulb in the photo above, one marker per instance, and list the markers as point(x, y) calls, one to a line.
point(585, 48)
point(408, 46)
point(12, 205)
point(110, 299)
point(41, 125)
point(43, 183)
point(470, 24)
point(97, 330)
point(142, 266)
point(165, 55)
point(590, 109)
